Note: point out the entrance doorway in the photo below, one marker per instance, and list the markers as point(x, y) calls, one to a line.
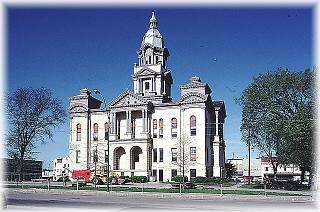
point(160, 175)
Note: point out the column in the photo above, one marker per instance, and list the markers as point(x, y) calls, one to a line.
point(143, 120)
point(164, 87)
point(217, 122)
point(128, 115)
point(140, 86)
point(153, 84)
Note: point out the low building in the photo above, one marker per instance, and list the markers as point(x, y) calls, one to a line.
point(32, 169)
point(47, 174)
point(61, 167)
point(261, 168)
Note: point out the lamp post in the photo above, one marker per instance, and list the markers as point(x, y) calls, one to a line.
point(97, 92)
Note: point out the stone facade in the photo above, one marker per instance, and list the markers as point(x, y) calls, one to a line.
point(144, 129)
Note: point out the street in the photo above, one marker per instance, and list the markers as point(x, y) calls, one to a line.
point(32, 199)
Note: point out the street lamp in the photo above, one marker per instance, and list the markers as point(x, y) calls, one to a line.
point(97, 92)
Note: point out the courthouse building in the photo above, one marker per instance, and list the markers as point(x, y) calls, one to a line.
point(148, 133)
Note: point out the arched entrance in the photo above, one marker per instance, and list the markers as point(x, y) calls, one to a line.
point(134, 156)
point(117, 153)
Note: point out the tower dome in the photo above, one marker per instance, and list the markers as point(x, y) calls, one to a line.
point(153, 36)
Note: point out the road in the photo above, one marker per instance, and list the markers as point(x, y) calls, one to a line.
point(32, 199)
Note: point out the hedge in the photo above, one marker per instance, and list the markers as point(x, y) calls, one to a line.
point(139, 179)
point(179, 178)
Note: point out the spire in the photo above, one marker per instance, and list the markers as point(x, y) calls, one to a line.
point(153, 21)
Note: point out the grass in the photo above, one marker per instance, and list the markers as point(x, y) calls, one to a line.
point(159, 190)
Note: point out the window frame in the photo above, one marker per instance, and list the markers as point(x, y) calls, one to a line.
point(160, 154)
point(161, 128)
point(174, 152)
point(78, 132)
point(174, 127)
point(193, 153)
point(95, 132)
point(193, 125)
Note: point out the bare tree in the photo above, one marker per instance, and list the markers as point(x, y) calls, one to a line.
point(32, 115)
point(184, 160)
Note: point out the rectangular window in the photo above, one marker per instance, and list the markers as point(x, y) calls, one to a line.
point(160, 155)
point(174, 172)
point(154, 155)
point(193, 154)
point(160, 128)
point(106, 156)
point(174, 132)
point(78, 156)
point(174, 154)
point(154, 128)
point(193, 173)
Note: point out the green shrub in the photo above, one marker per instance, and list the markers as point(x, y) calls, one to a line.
point(139, 179)
point(179, 178)
point(199, 180)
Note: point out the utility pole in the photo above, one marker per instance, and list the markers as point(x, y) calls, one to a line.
point(249, 159)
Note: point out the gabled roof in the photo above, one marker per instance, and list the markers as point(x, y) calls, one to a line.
point(127, 99)
point(145, 71)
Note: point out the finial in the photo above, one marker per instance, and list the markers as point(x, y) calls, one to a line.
point(153, 21)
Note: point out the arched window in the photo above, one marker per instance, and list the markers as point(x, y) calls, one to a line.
point(174, 127)
point(193, 125)
point(160, 128)
point(106, 131)
point(154, 128)
point(78, 132)
point(95, 132)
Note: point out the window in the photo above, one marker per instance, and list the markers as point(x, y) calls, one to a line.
point(106, 156)
point(95, 132)
point(157, 59)
point(160, 128)
point(78, 156)
point(193, 125)
point(149, 59)
point(174, 172)
point(193, 154)
point(154, 155)
point(147, 86)
point(78, 132)
point(266, 168)
point(193, 173)
point(106, 131)
point(160, 155)
point(284, 168)
point(174, 154)
point(154, 128)
point(174, 128)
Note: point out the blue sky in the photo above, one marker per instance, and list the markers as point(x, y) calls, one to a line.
point(68, 49)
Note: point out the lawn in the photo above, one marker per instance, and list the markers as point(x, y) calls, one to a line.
point(160, 190)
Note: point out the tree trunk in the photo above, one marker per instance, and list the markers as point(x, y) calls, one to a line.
point(275, 169)
point(21, 166)
point(303, 172)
